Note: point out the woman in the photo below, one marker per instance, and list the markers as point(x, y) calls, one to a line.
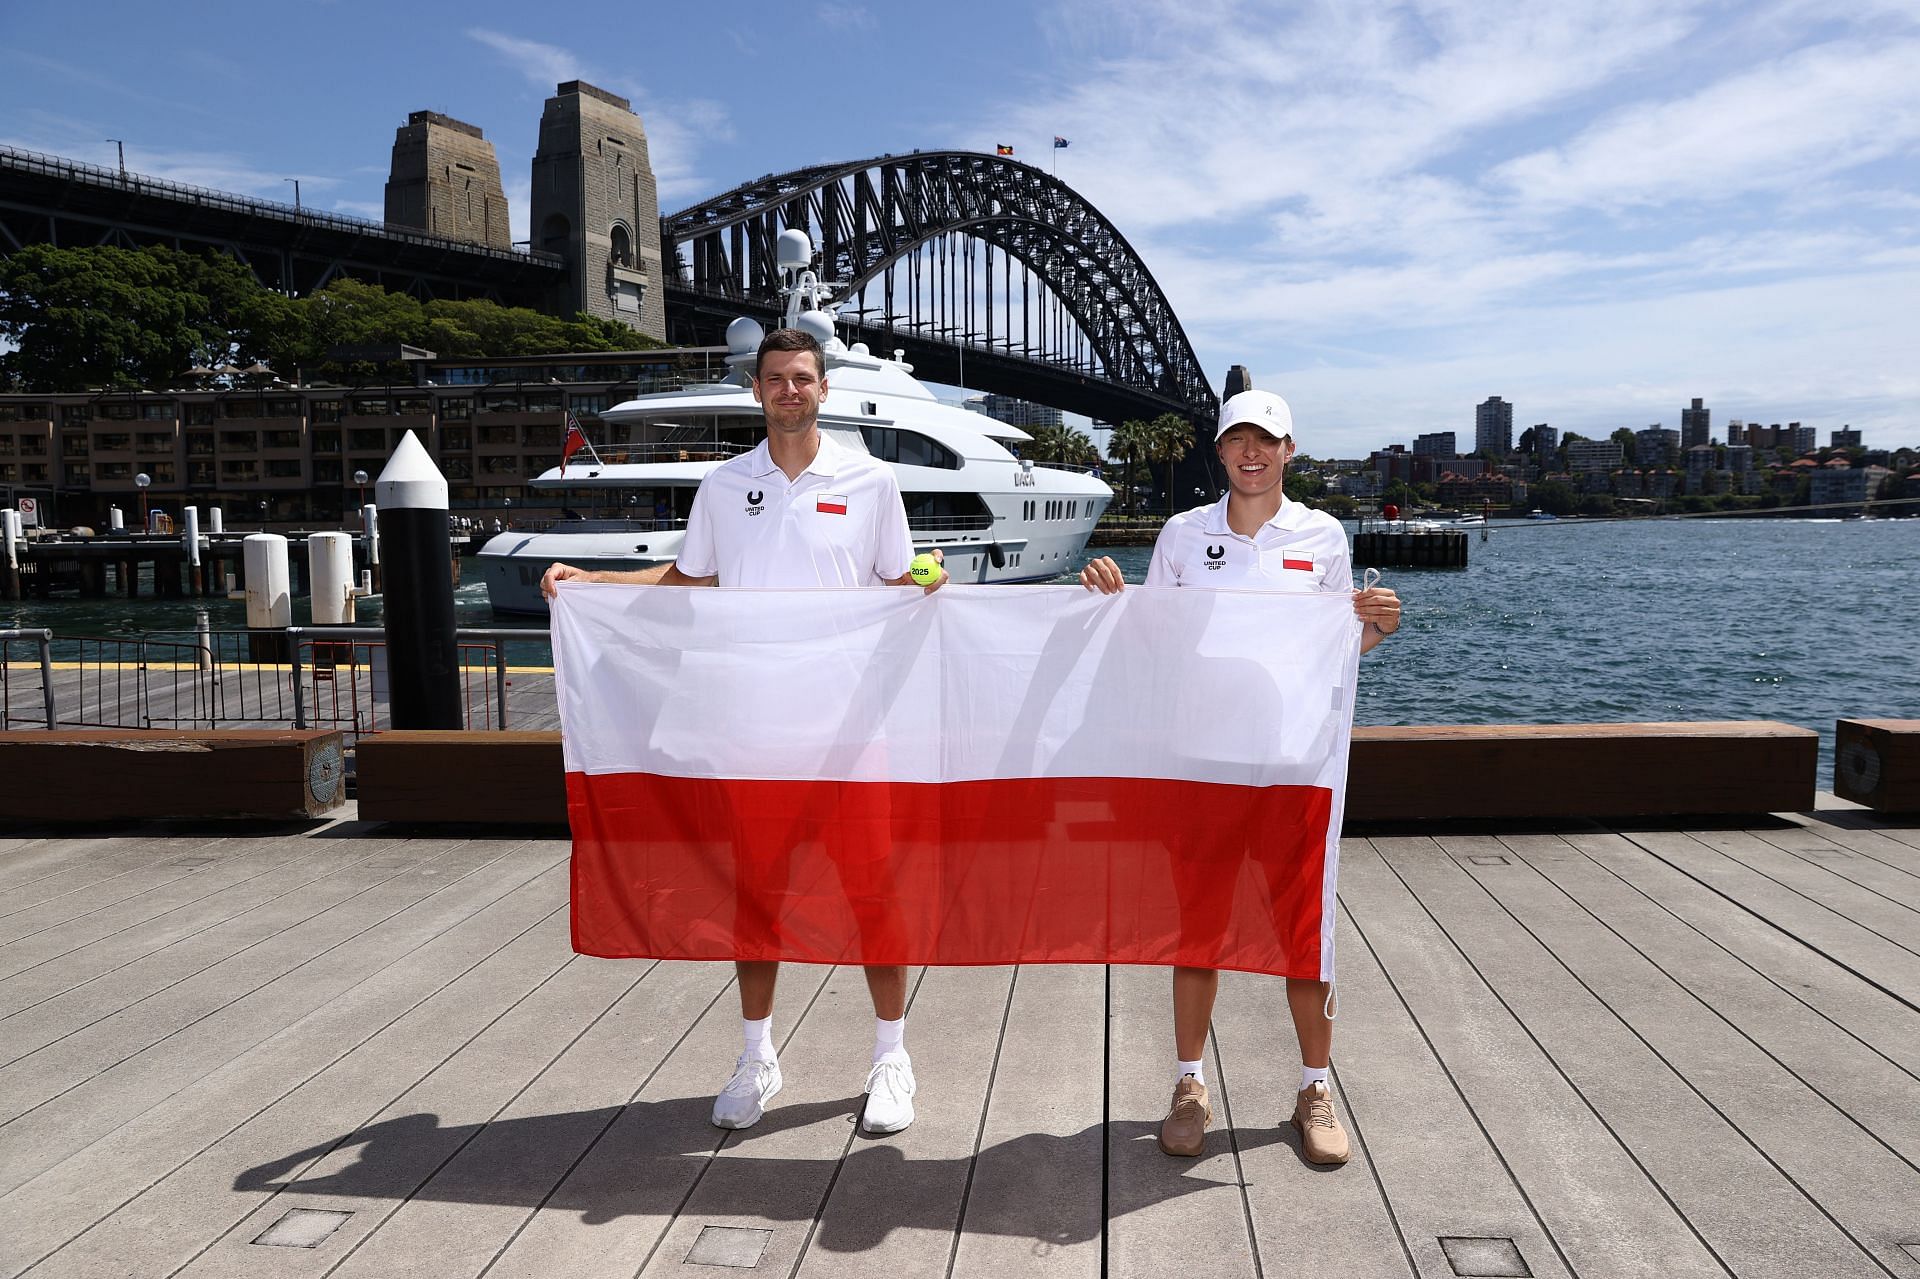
point(1255, 539)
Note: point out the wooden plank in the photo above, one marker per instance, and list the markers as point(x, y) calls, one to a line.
point(461, 777)
point(1863, 870)
point(1427, 772)
point(131, 1060)
point(1034, 1209)
point(1861, 1082)
point(1165, 1215)
point(1771, 1230)
point(58, 776)
point(384, 1166)
point(1877, 763)
point(1888, 845)
point(895, 1206)
point(634, 1181)
point(68, 994)
point(163, 1185)
point(1352, 1232)
point(1867, 1189)
point(1863, 1011)
point(776, 1175)
point(1878, 914)
point(1855, 947)
point(96, 875)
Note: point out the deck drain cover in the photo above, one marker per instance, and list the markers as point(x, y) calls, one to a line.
point(190, 861)
point(1489, 859)
point(735, 1246)
point(303, 1228)
point(1478, 1257)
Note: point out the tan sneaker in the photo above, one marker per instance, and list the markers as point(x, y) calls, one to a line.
point(1322, 1139)
point(1185, 1130)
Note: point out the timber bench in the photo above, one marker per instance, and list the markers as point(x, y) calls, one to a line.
point(1560, 771)
point(90, 775)
point(1421, 773)
point(1876, 762)
point(461, 776)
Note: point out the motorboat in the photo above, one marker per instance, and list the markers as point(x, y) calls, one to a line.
point(994, 515)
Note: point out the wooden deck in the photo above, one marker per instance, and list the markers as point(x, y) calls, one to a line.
point(1596, 1053)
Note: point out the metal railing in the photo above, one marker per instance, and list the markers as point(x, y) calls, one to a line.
point(10, 640)
point(339, 675)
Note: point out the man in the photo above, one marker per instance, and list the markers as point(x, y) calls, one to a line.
point(1254, 539)
point(798, 511)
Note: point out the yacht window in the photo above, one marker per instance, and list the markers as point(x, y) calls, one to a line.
point(909, 448)
point(948, 512)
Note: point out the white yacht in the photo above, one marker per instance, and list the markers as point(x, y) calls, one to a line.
point(995, 517)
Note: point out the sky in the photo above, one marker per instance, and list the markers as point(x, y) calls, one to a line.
point(1596, 209)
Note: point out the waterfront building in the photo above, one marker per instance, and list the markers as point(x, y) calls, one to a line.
point(1365, 483)
point(1435, 444)
point(1696, 424)
point(1700, 461)
point(1024, 414)
point(1472, 492)
point(595, 204)
point(1493, 427)
point(1656, 446)
point(445, 180)
point(1832, 484)
point(1587, 456)
point(264, 451)
point(1846, 437)
point(1739, 458)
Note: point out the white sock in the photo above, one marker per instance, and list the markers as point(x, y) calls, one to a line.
point(759, 1037)
point(1198, 1069)
point(1311, 1075)
point(889, 1038)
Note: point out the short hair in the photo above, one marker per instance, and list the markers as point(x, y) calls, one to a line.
point(790, 340)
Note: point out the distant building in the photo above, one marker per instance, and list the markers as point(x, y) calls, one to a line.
point(1392, 463)
point(1846, 437)
point(1493, 427)
point(1358, 484)
point(1435, 444)
point(1802, 439)
point(1546, 440)
point(1024, 414)
point(1739, 458)
point(1586, 456)
point(1700, 461)
point(1470, 491)
point(1696, 425)
point(1834, 484)
point(1656, 446)
point(1736, 431)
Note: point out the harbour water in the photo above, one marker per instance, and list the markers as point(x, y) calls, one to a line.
point(1795, 620)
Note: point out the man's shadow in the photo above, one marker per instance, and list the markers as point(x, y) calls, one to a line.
point(645, 1158)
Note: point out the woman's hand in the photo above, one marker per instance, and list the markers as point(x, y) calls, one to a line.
point(1103, 575)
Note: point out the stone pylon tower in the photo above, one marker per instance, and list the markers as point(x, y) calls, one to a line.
point(595, 205)
point(445, 179)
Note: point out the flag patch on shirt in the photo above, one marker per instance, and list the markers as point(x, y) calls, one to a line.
point(831, 504)
point(1295, 558)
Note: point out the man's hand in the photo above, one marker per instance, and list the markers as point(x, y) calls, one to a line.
point(1379, 606)
point(1102, 575)
point(906, 579)
point(557, 573)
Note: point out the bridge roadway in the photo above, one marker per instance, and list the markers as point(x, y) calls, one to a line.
point(1592, 1052)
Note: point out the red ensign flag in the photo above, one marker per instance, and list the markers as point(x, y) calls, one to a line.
point(989, 775)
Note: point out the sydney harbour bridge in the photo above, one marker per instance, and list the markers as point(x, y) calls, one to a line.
point(989, 273)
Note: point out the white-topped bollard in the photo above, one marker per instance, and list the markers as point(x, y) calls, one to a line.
point(116, 520)
point(418, 613)
point(190, 543)
point(330, 569)
point(216, 523)
point(10, 519)
point(370, 530)
point(269, 598)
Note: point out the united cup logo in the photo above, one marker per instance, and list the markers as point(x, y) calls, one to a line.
point(1216, 557)
point(753, 501)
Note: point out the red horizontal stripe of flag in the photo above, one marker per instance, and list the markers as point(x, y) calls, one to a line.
point(1026, 870)
point(1292, 562)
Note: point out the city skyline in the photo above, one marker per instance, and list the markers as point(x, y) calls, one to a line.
point(1604, 209)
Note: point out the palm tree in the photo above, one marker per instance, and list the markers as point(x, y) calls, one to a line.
point(1168, 438)
point(1127, 442)
point(1058, 442)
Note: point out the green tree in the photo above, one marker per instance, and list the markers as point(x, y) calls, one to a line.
point(1624, 438)
point(1127, 444)
point(1063, 444)
point(1169, 436)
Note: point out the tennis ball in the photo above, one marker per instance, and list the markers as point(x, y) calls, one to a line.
point(924, 569)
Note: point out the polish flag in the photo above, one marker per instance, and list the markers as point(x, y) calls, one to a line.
point(990, 775)
point(1302, 560)
point(831, 504)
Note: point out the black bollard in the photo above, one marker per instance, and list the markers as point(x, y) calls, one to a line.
point(418, 597)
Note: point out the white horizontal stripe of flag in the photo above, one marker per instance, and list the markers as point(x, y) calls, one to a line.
point(969, 683)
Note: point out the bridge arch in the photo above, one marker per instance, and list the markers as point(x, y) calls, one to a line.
point(979, 264)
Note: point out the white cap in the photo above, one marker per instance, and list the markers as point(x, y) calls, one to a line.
point(1263, 409)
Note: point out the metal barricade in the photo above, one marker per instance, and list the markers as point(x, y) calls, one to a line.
point(14, 714)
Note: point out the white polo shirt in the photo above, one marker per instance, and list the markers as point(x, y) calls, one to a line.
point(841, 523)
point(1299, 549)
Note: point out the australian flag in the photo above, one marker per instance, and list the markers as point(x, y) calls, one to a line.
point(1059, 142)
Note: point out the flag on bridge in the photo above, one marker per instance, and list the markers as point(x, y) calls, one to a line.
point(1003, 149)
point(988, 775)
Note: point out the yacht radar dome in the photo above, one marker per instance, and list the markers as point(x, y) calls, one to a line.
point(744, 335)
point(793, 251)
point(818, 324)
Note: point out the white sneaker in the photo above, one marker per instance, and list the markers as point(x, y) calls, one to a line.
point(741, 1103)
point(889, 1095)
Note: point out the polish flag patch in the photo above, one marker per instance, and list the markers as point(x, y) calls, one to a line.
point(1299, 559)
point(831, 504)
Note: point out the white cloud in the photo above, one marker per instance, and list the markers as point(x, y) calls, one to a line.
point(845, 17)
